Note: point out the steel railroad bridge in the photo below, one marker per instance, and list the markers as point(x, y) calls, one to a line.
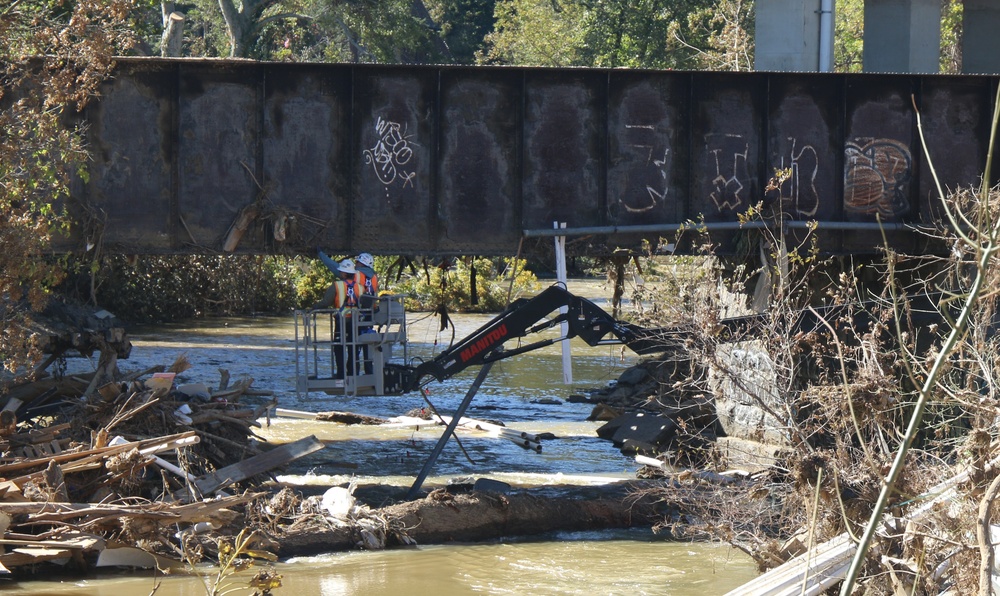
point(196, 156)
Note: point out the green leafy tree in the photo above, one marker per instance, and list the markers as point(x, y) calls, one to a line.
point(723, 34)
point(156, 289)
point(451, 285)
point(386, 31)
point(53, 56)
point(951, 36)
point(389, 31)
point(620, 33)
point(848, 42)
point(463, 24)
point(536, 33)
point(643, 33)
point(246, 19)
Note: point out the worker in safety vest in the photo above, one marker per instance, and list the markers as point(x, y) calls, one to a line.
point(343, 296)
point(340, 294)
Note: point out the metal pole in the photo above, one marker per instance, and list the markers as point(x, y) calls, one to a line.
point(722, 226)
point(561, 277)
point(448, 431)
point(826, 35)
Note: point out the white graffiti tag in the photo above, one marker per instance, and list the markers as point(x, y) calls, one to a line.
point(654, 194)
point(390, 153)
point(798, 191)
point(727, 155)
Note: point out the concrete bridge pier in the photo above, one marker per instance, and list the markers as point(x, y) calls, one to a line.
point(980, 42)
point(902, 36)
point(788, 37)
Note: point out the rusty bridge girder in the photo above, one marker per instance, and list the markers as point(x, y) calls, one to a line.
point(465, 160)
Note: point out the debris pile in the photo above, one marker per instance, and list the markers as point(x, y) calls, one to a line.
point(112, 474)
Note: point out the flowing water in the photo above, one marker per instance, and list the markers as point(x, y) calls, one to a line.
point(525, 392)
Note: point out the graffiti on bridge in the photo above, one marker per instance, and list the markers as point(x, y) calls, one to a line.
point(727, 156)
point(876, 175)
point(797, 190)
point(654, 195)
point(390, 154)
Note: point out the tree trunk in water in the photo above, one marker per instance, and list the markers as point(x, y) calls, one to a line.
point(442, 517)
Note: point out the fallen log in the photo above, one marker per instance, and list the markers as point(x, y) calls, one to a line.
point(348, 418)
point(443, 517)
point(215, 511)
point(331, 416)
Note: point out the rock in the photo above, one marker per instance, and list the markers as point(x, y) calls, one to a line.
point(604, 412)
point(633, 375)
point(749, 381)
point(579, 399)
point(491, 486)
point(644, 432)
point(621, 395)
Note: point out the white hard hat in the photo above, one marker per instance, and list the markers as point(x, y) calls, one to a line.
point(366, 259)
point(347, 266)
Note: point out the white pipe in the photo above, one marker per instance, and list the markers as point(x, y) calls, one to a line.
point(827, 26)
point(567, 362)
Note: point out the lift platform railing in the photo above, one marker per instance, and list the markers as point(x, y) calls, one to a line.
point(363, 340)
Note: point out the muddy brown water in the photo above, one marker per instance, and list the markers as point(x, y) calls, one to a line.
point(519, 392)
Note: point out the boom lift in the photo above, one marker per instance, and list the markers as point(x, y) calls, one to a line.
point(382, 325)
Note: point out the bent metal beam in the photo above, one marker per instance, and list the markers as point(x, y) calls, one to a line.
point(194, 156)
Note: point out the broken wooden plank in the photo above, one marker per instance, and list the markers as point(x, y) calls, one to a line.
point(520, 438)
point(30, 556)
point(252, 466)
point(300, 414)
point(10, 491)
point(94, 458)
point(216, 511)
point(6, 469)
point(81, 541)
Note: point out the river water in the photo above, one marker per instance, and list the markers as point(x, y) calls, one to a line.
point(525, 392)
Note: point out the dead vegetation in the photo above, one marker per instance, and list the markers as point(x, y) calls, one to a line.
point(881, 384)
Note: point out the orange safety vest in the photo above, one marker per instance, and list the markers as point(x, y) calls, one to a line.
point(351, 296)
point(370, 284)
point(344, 295)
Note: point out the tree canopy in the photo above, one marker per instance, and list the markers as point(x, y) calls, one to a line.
point(604, 33)
point(53, 56)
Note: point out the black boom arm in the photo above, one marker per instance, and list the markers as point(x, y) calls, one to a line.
point(525, 316)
